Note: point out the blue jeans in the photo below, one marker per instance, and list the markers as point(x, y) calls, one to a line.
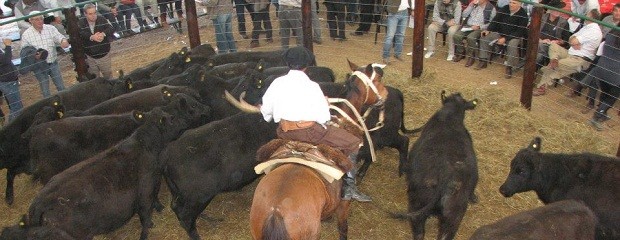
point(14, 99)
point(223, 33)
point(43, 76)
point(396, 25)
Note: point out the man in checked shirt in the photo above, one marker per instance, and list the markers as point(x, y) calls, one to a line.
point(44, 36)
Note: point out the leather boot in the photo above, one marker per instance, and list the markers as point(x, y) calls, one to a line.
point(470, 61)
point(481, 64)
point(349, 187)
point(458, 57)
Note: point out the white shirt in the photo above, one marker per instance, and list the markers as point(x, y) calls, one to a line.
point(294, 97)
point(590, 37)
point(404, 5)
point(47, 39)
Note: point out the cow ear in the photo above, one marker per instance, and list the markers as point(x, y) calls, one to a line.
point(535, 144)
point(443, 96)
point(121, 74)
point(183, 51)
point(138, 115)
point(129, 84)
point(166, 92)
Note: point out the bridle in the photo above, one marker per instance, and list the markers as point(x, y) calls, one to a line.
point(369, 85)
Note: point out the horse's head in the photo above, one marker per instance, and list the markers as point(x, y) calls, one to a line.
point(364, 85)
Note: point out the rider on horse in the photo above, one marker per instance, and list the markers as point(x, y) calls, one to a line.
point(302, 111)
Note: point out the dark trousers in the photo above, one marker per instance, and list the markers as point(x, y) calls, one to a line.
point(335, 20)
point(367, 15)
point(337, 138)
point(240, 6)
point(163, 7)
point(261, 20)
point(609, 95)
point(126, 10)
point(112, 19)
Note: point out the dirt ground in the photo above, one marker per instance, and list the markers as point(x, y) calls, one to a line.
point(499, 128)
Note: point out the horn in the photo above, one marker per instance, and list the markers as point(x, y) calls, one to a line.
point(241, 105)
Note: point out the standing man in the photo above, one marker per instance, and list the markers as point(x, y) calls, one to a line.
point(508, 28)
point(9, 86)
point(302, 111)
point(96, 33)
point(240, 7)
point(43, 36)
point(398, 15)
point(446, 18)
point(261, 19)
point(25, 7)
point(478, 16)
point(290, 21)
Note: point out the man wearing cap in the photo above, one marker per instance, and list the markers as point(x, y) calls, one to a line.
point(45, 37)
point(300, 107)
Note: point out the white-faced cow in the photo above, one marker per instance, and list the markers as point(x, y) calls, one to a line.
point(442, 169)
point(568, 219)
point(591, 178)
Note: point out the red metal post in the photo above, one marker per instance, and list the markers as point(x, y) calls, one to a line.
point(418, 39)
point(529, 72)
point(306, 24)
point(192, 23)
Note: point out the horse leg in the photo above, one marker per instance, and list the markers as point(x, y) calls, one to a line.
point(342, 215)
point(10, 179)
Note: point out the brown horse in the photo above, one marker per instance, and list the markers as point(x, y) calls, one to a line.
point(291, 201)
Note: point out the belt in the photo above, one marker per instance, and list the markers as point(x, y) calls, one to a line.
point(295, 125)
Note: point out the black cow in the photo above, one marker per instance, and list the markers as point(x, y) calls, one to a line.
point(102, 193)
point(232, 70)
point(442, 170)
point(142, 100)
point(591, 178)
point(214, 158)
point(14, 150)
point(561, 220)
point(272, 58)
point(171, 65)
point(55, 146)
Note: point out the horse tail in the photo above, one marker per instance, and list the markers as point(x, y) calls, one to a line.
point(274, 228)
point(402, 115)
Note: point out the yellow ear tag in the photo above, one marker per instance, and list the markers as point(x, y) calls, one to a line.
point(140, 116)
point(260, 67)
point(188, 60)
point(56, 103)
point(535, 145)
point(60, 114)
point(130, 86)
point(475, 102)
point(22, 224)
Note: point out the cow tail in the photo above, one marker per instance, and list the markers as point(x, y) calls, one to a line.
point(402, 118)
point(421, 213)
point(274, 227)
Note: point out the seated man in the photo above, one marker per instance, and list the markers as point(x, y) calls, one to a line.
point(507, 28)
point(612, 19)
point(553, 29)
point(478, 16)
point(583, 46)
point(446, 17)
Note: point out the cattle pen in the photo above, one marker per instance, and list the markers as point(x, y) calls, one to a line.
point(500, 126)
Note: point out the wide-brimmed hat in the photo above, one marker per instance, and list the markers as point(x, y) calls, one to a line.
point(556, 4)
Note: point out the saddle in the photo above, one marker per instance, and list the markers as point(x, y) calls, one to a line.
point(330, 162)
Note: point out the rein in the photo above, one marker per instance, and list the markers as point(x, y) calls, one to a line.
point(361, 125)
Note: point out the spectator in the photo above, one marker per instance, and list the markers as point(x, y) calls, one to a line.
point(352, 8)
point(508, 28)
point(240, 7)
point(126, 9)
point(581, 7)
point(109, 10)
point(290, 21)
point(9, 86)
point(26, 7)
point(583, 45)
point(96, 33)
point(260, 16)
point(446, 18)
point(398, 15)
point(607, 71)
point(316, 25)
point(46, 37)
point(553, 29)
point(478, 15)
point(221, 16)
point(612, 19)
point(368, 15)
point(336, 19)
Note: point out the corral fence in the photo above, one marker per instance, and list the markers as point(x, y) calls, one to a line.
point(528, 49)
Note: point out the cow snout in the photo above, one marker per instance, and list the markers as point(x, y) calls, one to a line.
point(504, 190)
